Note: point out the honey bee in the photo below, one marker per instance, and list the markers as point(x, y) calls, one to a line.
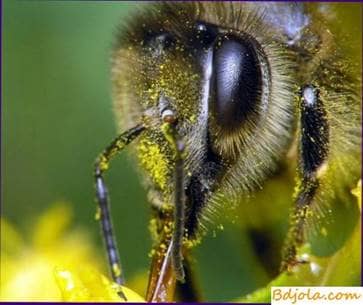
point(215, 96)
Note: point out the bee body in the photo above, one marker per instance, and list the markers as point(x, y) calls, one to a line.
point(247, 87)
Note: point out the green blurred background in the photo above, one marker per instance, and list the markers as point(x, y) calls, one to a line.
point(57, 117)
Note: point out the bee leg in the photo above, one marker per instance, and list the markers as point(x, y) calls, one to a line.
point(102, 164)
point(313, 152)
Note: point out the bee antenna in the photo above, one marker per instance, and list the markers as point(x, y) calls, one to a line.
point(102, 164)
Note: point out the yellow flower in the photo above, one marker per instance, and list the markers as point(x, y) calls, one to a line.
point(56, 266)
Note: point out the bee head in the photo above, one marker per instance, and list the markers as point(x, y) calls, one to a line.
point(215, 81)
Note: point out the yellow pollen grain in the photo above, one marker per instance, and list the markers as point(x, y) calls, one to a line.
point(154, 162)
point(98, 214)
point(116, 269)
point(192, 118)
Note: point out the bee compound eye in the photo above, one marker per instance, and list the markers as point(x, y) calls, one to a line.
point(237, 81)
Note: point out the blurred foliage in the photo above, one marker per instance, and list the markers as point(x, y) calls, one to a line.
point(57, 117)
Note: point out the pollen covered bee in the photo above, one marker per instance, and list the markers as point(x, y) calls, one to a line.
point(215, 95)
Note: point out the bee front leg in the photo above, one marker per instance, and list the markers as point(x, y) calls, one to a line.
point(313, 152)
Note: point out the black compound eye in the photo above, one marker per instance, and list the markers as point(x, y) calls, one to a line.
point(237, 81)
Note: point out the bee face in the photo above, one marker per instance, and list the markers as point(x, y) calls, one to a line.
point(229, 81)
